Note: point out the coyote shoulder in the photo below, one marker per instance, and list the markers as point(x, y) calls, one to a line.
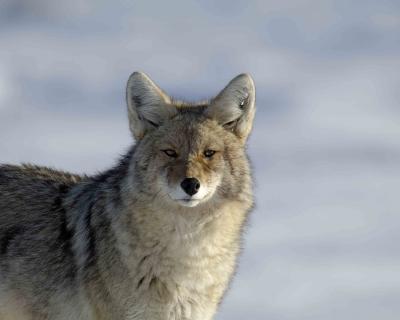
point(156, 237)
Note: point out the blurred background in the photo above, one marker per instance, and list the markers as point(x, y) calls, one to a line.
point(323, 242)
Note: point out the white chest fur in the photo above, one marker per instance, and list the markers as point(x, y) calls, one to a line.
point(181, 275)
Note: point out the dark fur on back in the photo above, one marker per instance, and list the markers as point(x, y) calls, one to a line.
point(38, 200)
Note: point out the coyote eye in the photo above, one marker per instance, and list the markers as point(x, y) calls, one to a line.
point(170, 153)
point(209, 153)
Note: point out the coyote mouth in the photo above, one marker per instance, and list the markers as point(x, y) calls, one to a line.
point(188, 202)
point(192, 202)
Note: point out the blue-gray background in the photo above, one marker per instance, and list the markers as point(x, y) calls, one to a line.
point(324, 238)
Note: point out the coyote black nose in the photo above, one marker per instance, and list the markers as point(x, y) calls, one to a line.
point(190, 185)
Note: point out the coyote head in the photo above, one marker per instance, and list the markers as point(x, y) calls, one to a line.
point(190, 154)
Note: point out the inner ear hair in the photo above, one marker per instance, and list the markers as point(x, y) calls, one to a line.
point(230, 125)
point(243, 102)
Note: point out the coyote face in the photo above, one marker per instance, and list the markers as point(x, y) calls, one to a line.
point(194, 152)
point(189, 160)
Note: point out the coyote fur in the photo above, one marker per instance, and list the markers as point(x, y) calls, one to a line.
point(156, 237)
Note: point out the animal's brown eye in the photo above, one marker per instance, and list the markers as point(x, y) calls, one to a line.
point(209, 153)
point(170, 153)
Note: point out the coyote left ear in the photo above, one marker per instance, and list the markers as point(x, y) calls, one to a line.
point(234, 106)
point(148, 105)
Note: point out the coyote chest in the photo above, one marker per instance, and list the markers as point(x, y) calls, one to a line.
point(188, 277)
point(184, 275)
point(191, 263)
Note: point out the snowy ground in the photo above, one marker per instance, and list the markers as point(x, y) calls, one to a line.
point(324, 239)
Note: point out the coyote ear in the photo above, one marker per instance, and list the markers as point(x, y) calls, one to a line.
point(148, 105)
point(234, 106)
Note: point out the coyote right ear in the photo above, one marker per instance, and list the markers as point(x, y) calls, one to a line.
point(148, 105)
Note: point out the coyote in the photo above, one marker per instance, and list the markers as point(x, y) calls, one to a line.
point(156, 237)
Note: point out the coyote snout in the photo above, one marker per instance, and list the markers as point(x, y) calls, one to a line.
point(190, 185)
point(191, 182)
point(191, 191)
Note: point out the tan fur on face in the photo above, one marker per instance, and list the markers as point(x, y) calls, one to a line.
point(190, 135)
